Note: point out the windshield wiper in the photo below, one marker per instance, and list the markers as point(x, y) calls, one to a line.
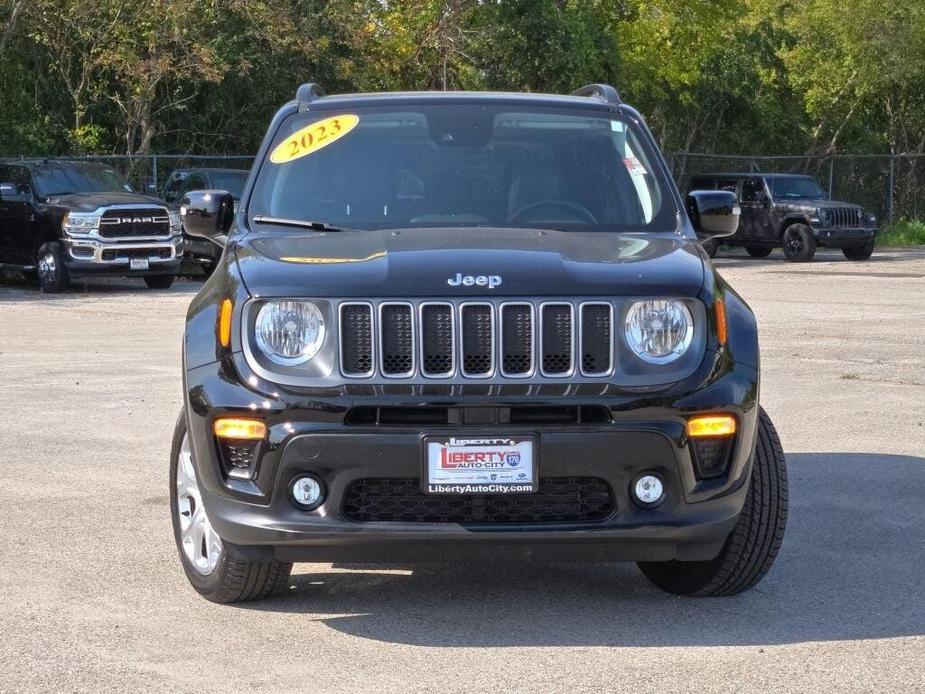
point(301, 223)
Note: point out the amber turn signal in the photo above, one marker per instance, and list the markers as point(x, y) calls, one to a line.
point(224, 323)
point(720, 310)
point(711, 425)
point(236, 428)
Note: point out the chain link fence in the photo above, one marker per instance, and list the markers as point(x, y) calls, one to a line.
point(889, 185)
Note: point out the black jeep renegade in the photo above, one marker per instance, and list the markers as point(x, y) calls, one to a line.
point(792, 212)
point(448, 325)
point(64, 219)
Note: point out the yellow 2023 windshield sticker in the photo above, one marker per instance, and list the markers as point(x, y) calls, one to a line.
point(313, 137)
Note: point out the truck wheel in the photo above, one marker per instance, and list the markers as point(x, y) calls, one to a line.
point(50, 269)
point(711, 246)
point(159, 281)
point(799, 243)
point(211, 565)
point(755, 541)
point(759, 251)
point(862, 252)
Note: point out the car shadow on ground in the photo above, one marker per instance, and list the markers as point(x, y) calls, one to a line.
point(851, 568)
point(827, 257)
point(13, 287)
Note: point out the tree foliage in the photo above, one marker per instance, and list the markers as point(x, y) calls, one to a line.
point(734, 76)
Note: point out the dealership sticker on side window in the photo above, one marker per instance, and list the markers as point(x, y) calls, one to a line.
point(480, 465)
point(634, 166)
point(313, 137)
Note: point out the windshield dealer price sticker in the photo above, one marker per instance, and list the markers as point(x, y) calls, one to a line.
point(313, 137)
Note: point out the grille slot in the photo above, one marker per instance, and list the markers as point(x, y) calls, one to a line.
point(397, 340)
point(356, 339)
point(517, 339)
point(596, 338)
point(477, 339)
point(557, 339)
point(401, 500)
point(437, 352)
point(132, 223)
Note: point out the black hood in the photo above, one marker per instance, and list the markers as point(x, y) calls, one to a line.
point(88, 202)
point(824, 203)
point(419, 262)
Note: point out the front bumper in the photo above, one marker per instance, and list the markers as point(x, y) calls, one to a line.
point(90, 256)
point(839, 237)
point(309, 432)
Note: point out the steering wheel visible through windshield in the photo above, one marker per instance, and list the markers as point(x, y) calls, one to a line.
point(463, 164)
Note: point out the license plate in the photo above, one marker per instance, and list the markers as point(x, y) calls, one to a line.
point(480, 464)
point(138, 263)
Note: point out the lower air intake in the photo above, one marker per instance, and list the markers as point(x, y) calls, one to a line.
point(400, 500)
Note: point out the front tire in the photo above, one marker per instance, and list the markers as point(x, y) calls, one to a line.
point(756, 539)
point(759, 251)
point(862, 252)
point(159, 281)
point(212, 565)
point(799, 243)
point(50, 269)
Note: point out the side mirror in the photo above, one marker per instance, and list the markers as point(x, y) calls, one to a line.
point(10, 192)
point(208, 214)
point(714, 213)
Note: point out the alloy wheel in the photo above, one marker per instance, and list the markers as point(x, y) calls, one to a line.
point(47, 267)
point(201, 544)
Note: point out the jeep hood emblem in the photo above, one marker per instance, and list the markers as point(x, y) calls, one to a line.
point(490, 281)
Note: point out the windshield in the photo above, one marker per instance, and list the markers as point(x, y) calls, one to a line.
point(231, 181)
point(80, 178)
point(795, 187)
point(464, 165)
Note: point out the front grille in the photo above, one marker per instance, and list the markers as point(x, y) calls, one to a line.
point(844, 216)
point(356, 339)
point(520, 415)
point(557, 339)
point(477, 340)
point(596, 321)
point(516, 339)
point(437, 339)
point(397, 346)
point(401, 500)
point(132, 223)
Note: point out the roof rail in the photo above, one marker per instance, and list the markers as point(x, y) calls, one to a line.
point(307, 93)
point(602, 91)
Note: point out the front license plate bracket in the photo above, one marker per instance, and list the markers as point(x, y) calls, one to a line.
point(480, 464)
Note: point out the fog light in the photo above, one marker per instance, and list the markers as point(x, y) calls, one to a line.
point(306, 492)
point(648, 490)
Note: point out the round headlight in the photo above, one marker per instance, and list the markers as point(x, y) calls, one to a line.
point(823, 214)
point(290, 332)
point(659, 330)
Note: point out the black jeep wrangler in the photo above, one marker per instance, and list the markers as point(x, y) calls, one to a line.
point(453, 325)
point(63, 219)
point(792, 212)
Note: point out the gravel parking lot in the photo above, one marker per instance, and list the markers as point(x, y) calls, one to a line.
point(92, 596)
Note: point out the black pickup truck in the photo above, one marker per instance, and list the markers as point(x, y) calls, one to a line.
point(792, 212)
point(64, 219)
point(452, 325)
